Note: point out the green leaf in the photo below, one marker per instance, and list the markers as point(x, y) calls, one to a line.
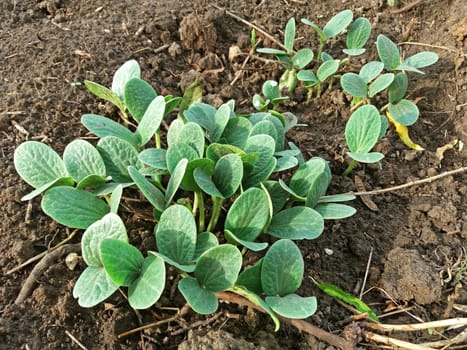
point(388, 52)
point(331, 211)
point(419, 60)
point(93, 286)
point(228, 174)
point(189, 182)
point(110, 226)
point(250, 278)
point(217, 268)
point(147, 288)
point(248, 214)
point(326, 69)
point(171, 103)
point(175, 180)
point(282, 269)
point(122, 261)
point(236, 132)
point(73, 208)
point(201, 300)
point(285, 163)
point(204, 115)
point(177, 152)
point(358, 34)
point(404, 112)
point(115, 198)
point(221, 119)
point(154, 157)
point(192, 95)
point(306, 175)
point(293, 306)
point(296, 223)
point(380, 83)
point(125, 73)
point(354, 85)
point(362, 129)
point(398, 88)
point(337, 198)
point(176, 234)
point(102, 127)
point(302, 58)
point(105, 94)
point(205, 241)
point(38, 164)
point(151, 192)
point(271, 90)
point(308, 77)
point(253, 246)
point(118, 155)
point(354, 52)
point(63, 181)
point(92, 182)
point(289, 35)
point(265, 127)
point(370, 71)
point(271, 51)
point(151, 120)
point(337, 24)
point(138, 96)
point(371, 157)
point(215, 151)
point(82, 159)
point(277, 194)
point(266, 163)
point(192, 134)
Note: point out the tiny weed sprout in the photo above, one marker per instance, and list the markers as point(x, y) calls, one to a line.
point(207, 153)
point(291, 60)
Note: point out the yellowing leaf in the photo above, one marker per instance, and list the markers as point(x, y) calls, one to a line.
point(403, 132)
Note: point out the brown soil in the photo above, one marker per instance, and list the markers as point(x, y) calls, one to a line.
point(416, 238)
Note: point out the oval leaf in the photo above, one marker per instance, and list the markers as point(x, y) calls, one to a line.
point(293, 306)
point(326, 69)
point(380, 83)
point(398, 88)
point(151, 120)
point(302, 58)
point(388, 52)
point(82, 160)
point(404, 112)
point(125, 73)
point(354, 85)
point(338, 23)
point(370, 71)
point(138, 96)
point(358, 34)
point(296, 223)
point(93, 286)
point(121, 260)
point(102, 127)
point(371, 157)
point(362, 129)
point(331, 211)
point(201, 300)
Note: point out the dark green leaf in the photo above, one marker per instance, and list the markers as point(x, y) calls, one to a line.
point(292, 306)
point(236, 132)
point(121, 260)
point(398, 88)
point(175, 180)
point(138, 96)
point(201, 300)
point(102, 127)
point(154, 157)
point(205, 241)
point(177, 152)
point(253, 246)
point(388, 52)
point(151, 192)
point(147, 288)
point(250, 278)
point(404, 112)
point(334, 210)
point(358, 34)
point(277, 194)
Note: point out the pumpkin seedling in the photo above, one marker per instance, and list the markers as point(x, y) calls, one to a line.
point(310, 80)
point(358, 35)
point(272, 96)
point(292, 61)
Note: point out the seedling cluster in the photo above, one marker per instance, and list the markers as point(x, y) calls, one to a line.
point(388, 77)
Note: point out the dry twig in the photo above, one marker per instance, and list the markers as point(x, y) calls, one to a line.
point(458, 321)
point(407, 7)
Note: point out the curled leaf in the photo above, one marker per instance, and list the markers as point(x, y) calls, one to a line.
point(403, 132)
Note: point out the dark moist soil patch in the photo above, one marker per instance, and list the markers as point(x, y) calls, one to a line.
point(416, 237)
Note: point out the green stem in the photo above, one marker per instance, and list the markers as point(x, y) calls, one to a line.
point(216, 211)
point(351, 166)
point(320, 50)
point(200, 199)
point(158, 139)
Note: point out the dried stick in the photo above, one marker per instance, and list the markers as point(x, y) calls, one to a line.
point(392, 341)
point(76, 341)
point(301, 325)
point(409, 184)
point(407, 7)
point(460, 338)
point(39, 269)
point(458, 321)
point(39, 256)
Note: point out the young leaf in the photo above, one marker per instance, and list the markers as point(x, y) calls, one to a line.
point(265, 127)
point(271, 90)
point(217, 269)
point(138, 96)
point(110, 226)
point(204, 115)
point(302, 58)
point(125, 73)
point(147, 288)
point(358, 35)
point(308, 77)
point(192, 94)
point(336, 198)
point(398, 88)
point(38, 164)
point(282, 269)
point(93, 286)
point(191, 134)
point(277, 195)
point(72, 207)
point(189, 182)
point(289, 35)
point(62, 181)
point(419, 60)
point(370, 71)
point(337, 24)
point(105, 93)
point(388, 52)
point(177, 152)
point(322, 37)
point(82, 159)
point(118, 155)
point(236, 132)
point(354, 85)
point(292, 306)
point(404, 112)
point(221, 119)
point(151, 192)
point(205, 241)
point(121, 260)
point(326, 69)
point(331, 211)
point(296, 223)
point(102, 127)
point(266, 163)
point(175, 180)
point(151, 120)
point(250, 278)
point(201, 300)
point(228, 174)
point(380, 83)
point(253, 246)
point(176, 234)
point(115, 199)
point(248, 214)
point(306, 176)
point(92, 182)
point(154, 157)
point(362, 129)
point(285, 163)
point(366, 157)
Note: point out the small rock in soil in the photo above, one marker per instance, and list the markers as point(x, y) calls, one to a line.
point(408, 276)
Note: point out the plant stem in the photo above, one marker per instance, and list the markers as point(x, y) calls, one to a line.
point(351, 166)
point(216, 211)
point(320, 50)
point(200, 199)
point(158, 139)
